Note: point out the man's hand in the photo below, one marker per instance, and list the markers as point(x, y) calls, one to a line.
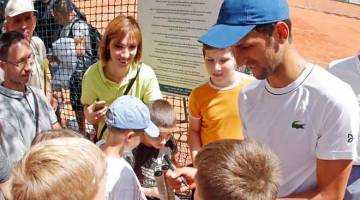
point(175, 182)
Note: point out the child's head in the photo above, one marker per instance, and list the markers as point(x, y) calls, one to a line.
point(55, 133)
point(128, 118)
point(220, 65)
point(61, 168)
point(236, 169)
point(164, 117)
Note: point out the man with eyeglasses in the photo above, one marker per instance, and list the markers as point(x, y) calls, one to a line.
point(19, 16)
point(24, 110)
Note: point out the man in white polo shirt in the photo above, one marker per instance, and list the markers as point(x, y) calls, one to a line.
point(307, 116)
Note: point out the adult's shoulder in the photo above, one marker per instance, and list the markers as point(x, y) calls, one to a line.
point(253, 87)
point(37, 91)
point(146, 72)
point(37, 40)
point(347, 69)
point(146, 68)
point(326, 83)
point(342, 64)
point(93, 71)
point(39, 46)
point(245, 76)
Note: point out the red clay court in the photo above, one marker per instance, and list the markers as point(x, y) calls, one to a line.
point(325, 30)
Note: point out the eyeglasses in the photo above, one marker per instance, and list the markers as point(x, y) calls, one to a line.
point(23, 62)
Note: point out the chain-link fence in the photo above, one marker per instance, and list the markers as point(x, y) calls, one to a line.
point(64, 31)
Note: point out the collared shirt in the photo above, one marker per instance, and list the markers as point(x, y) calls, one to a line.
point(17, 120)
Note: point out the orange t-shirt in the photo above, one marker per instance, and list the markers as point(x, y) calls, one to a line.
point(218, 110)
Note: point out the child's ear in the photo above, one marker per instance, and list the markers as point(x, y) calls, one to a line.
point(130, 135)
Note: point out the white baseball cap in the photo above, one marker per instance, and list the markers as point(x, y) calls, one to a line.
point(16, 7)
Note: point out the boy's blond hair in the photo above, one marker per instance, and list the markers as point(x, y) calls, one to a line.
point(62, 168)
point(237, 170)
point(55, 133)
point(162, 114)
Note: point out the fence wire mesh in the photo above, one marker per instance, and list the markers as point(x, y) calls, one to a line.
point(65, 45)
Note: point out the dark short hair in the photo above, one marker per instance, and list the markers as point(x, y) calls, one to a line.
point(269, 28)
point(6, 40)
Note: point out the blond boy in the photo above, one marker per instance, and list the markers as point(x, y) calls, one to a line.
point(61, 168)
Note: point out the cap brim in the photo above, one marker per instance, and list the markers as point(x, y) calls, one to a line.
point(21, 12)
point(224, 36)
point(152, 130)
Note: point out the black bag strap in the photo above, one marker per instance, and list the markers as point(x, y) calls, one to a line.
point(125, 93)
point(71, 35)
point(36, 111)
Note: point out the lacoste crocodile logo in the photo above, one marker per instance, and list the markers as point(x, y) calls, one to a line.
point(297, 125)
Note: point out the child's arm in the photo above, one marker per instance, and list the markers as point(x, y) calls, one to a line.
point(194, 139)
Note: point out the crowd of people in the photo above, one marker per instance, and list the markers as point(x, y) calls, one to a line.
point(289, 131)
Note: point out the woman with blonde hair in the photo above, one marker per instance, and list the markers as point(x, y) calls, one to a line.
point(119, 72)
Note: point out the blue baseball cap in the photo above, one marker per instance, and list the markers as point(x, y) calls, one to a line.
point(238, 17)
point(128, 112)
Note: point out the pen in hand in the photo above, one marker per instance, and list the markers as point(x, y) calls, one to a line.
point(173, 167)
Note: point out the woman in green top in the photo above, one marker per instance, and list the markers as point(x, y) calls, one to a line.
point(120, 61)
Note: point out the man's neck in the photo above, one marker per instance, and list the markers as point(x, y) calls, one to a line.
point(16, 87)
point(289, 69)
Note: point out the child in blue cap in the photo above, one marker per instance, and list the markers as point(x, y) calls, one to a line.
point(128, 119)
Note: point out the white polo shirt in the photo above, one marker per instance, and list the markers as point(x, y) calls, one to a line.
point(315, 117)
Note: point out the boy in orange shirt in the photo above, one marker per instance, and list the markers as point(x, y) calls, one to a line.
point(213, 106)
